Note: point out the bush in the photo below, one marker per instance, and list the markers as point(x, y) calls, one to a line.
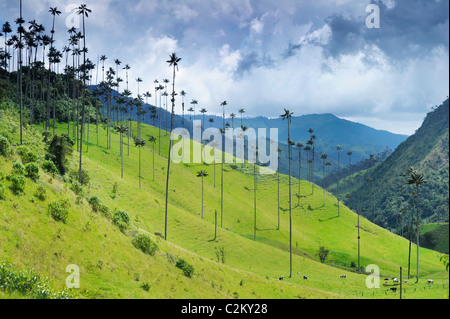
point(50, 167)
point(41, 193)
point(22, 150)
point(60, 147)
point(32, 171)
point(187, 268)
point(29, 157)
point(59, 210)
point(17, 183)
point(5, 147)
point(18, 168)
point(121, 219)
point(77, 188)
point(95, 203)
point(104, 209)
point(75, 175)
point(145, 243)
point(323, 254)
point(146, 286)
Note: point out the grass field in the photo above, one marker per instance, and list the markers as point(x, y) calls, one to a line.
point(111, 267)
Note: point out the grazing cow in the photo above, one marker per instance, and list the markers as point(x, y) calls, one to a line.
point(281, 278)
point(430, 281)
point(386, 279)
point(385, 284)
point(395, 280)
point(343, 276)
point(394, 289)
point(305, 278)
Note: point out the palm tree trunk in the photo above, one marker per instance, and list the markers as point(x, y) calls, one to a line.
point(418, 234)
point(290, 203)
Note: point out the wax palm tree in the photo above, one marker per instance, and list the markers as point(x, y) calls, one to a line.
point(152, 139)
point(183, 95)
point(287, 116)
point(223, 105)
point(84, 12)
point(127, 68)
point(202, 174)
point(103, 58)
point(138, 80)
point(232, 116)
point(255, 188)
point(338, 148)
point(6, 28)
point(20, 30)
point(417, 179)
point(211, 121)
point(121, 130)
point(190, 110)
point(323, 157)
point(278, 182)
point(242, 111)
point(173, 62)
point(349, 154)
point(194, 103)
point(300, 146)
point(203, 111)
point(138, 142)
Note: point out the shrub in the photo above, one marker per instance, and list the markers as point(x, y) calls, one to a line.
point(5, 147)
point(75, 175)
point(32, 171)
point(95, 203)
point(146, 286)
point(29, 157)
point(104, 209)
point(145, 243)
point(60, 147)
point(41, 193)
point(22, 150)
point(77, 188)
point(188, 269)
point(17, 183)
point(50, 167)
point(323, 254)
point(121, 219)
point(18, 168)
point(59, 210)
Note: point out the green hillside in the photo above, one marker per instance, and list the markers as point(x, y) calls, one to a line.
point(435, 236)
point(231, 266)
point(386, 194)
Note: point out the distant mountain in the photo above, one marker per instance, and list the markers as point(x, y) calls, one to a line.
point(330, 132)
point(428, 152)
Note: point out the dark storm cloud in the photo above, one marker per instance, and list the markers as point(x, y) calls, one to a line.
point(409, 28)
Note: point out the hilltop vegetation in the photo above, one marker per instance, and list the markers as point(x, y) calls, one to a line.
point(386, 198)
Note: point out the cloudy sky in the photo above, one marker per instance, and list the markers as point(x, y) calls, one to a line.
point(264, 55)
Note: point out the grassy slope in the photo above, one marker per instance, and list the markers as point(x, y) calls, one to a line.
point(109, 262)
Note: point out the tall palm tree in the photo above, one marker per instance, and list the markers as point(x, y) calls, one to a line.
point(203, 111)
point(121, 130)
point(194, 103)
point(242, 111)
point(232, 116)
point(287, 116)
point(127, 68)
point(300, 146)
point(6, 28)
point(183, 95)
point(138, 80)
point(84, 12)
point(324, 158)
point(202, 174)
point(138, 142)
point(349, 154)
point(152, 139)
point(338, 148)
point(278, 181)
point(255, 188)
point(103, 58)
point(173, 62)
point(417, 179)
point(223, 105)
point(20, 30)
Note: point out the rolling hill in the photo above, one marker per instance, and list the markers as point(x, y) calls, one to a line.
point(232, 265)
